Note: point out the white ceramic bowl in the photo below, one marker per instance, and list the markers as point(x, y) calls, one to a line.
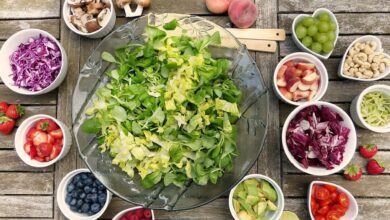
point(103, 31)
point(11, 46)
point(356, 113)
point(119, 215)
point(378, 49)
point(350, 147)
point(61, 194)
point(316, 13)
point(279, 203)
point(306, 57)
point(353, 208)
point(20, 140)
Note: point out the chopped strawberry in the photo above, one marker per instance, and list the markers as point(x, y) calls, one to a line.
point(31, 134)
point(57, 134)
point(39, 138)
point(3, 108)
point(375, 166)
point(50, 139)
point(27, 147)
point(33, 152)
point(55, 152)
point(45, 149)
point(368, 150)
point(40, 159)
point(353, 172)
point(59, 142)
point(46, 125)
point(15, 111)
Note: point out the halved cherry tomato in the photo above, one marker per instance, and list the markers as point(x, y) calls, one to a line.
point(313, 206)
point(319, 217)
point(325, 202)
point(322, 193)
point(313, 191)
point(330, 188)
point(343, 200)
point(339, 209)
point(323, 210)
point(334, 196)
point(332, 215)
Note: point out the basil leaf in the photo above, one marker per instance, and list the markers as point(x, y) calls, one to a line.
point(171, 25)
point(108, 57)
point(91, 126)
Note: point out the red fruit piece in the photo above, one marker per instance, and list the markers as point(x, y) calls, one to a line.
point(55, 152)
point(39, 137)
point(130, 214)
point(310, 78)
point(45, 149)
point(33, 151)
point(40, 159)
point(27, 147)
point(147, 213)
point(307, 72)
point(57, 134)
point(290, 73)
point(343, 200)
point(315, 85)
point(50, 139)
point(299, 94)
point(139, 213)
point(290, 63)
point(31, 134)
point(288, 95)
point(123, 218)
point(281, 72)
point(46, 125)
point(311, 95)
point(6, 125)
point(353, 172)
point(292, 84)
point(134, 217)
point(303, 87)
point(305, 66)
point(3, 107)
point(368, 150)
point(281, 82)
point(375, 166)
point(15, 111)
point(322, 193)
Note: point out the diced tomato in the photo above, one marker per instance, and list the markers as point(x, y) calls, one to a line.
point(57, 134)
point(334, 196)
point(323, 210)
point(39, 138)
point(343, 199)
point(45, 149)
point(319, 217)
point(322, 193)
point(313, 191)
point(332, 215)
point(330, 188)
point(55, 152)
point(339, 209)
point(313, 206)
point(325, 202)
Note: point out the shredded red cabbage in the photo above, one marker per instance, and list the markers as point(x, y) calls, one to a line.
point(315, 137)
point(36, 65)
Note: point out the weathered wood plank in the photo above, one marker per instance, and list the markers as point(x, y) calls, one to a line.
point(26, 206)
point(297, 185)
point(26, 183)
point(288, 46)
point(357, 159)
point(368, 208)
point(8, 28)
point(9, 161)
point(29, 9)
point(218, 209)
point(333, 5)
point(9, 96)
point(351, 23)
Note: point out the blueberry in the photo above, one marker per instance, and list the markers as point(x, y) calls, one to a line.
point(68, 198)
point(85, 208)
point(79, 185)
point(94, 197)
point(100, 192)
point(102, 198)
point(70, 187)
point(94, 190)
point(73, 208)
point(79, 203)
point(87, 189)
point(101, 187)
point(94, 185)
point(73, 202)
point(88, 199)
point(84, 176)
point(82, 195)
point(90, 213)
point(88, 181)
point(75, 194)
point(95, 208)
point(76, 179)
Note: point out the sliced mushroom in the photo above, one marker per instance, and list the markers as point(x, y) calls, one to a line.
point(85, 2)
point(104, 17)
point(107, 3)
point(76, 21)
point(77, 11)
point(74, 3)
point(85, 18)
point(92, 25)
point(94, 8)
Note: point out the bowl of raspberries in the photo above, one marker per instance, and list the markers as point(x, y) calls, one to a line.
point(135, 213)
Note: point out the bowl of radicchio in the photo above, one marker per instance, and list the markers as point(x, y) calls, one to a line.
point(32, 62)
point(319, 138)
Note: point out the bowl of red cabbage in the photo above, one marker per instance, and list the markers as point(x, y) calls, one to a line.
point(319, 138)
point(33, 62)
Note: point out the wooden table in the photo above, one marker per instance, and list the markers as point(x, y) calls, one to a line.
point(28, 193)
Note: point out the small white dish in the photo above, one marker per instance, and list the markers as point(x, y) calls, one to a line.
point(11, 45)
point(350, 147)
point(279, 203)
point(20, 140)
point(306, 57)
point(356, 113)
point(353, 209)
point(103, 31)
point(315, 14)
point(61, 195)
point(120, 214)
point(378, 49)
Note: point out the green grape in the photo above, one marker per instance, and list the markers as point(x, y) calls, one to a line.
point(331, 36)
point(324, 17)
point(321, 37)
point(316, 47)
point(316, 21)
point(307, 41)
point(332, 26)
point(300, 31)
point(312, 30)
point(323, 26)
point(307, 22)
point(327, 47)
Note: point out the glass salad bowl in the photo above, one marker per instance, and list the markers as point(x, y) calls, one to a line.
point(251, 126)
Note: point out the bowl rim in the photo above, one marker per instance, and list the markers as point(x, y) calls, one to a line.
point(261, 177)
point(379, 48)
point(62, 71)
point(309, 58)
point(353, 203)
point(373, 88)
point(121, 213)
point(27, 124)
point(65, 16)
point(352, 138)
point(61, 191)
point(317, 11)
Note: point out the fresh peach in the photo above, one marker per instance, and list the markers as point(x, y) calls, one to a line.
point(242, 13)
point(303, 86)
point(311, 95)
point(305, 66)
point(218, 6)
point(281, 72)
point(281, 82)
point(315, 85)
point(288, 95)
point(292, 84)
point(306, 72)
point(290, 72)
point(310, 78)
point(299, 94)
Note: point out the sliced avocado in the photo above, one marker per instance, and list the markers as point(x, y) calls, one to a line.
point(242, 195)
point(269, 191)
point(251, 200)
point(261, 195)
point(252, 182)
point(246, 207)
point(271, 206)
point(252, 190)
point(236, 205)
point(261, 208)
point(238, 189)
point(243, 215)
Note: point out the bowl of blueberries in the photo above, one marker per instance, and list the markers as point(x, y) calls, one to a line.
point(81, 196)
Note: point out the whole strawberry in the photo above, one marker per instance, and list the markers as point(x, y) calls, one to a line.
point(3, 107)
point(15, 111)
point(353, 172)
point(375, 166)
point(368, 150)
point(6, 125)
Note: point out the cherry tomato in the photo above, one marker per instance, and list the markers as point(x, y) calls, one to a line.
point(319, 217)
point(334, 196)
point(313, 206)
point(343, 200)
point(339, 209)
point(332, 215)
point(322, 193)
point(330, 188)
point(323, 210)
point(313, 191)
point(325, 202)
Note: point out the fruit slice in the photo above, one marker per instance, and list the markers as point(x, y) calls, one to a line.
point(281, 72)
point(292, 84)
point(312, 95)
point(50, 139)
point(281, 82)
point(299, 94)
point(27, 147)
point(307, 72)
point(305, 66)
point(57, 134)
point(45, 149)
point(40, 159)
point(310, 78)
point(290, 63)
point(288, 95)
point(303, 87)
point(315, 85)
point(290, 72)
point(39, 138)
point(55, 152)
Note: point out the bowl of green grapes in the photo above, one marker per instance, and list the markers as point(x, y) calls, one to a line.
point(316, 34)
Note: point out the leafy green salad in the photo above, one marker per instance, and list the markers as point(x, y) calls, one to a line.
point(168, 111)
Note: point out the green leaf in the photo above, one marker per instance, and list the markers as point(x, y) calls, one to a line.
point(119, 113)
point(169, 178)
point(175, 153)
point(154, 33)
point(108, 57)
point(151, 179)
point(171, 25)
point(91, 126)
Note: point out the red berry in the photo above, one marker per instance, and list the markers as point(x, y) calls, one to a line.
point(57, 134)
point(15, 111)
point(46, 125)
point(45, 149)
point(123, 218)
point(147, 213)
point(139, 212)
point(353, 172)
point(375, 166)
point(39, 137)
point(6, 125)
point(368, 150)
point(3, 107)
point(33, 152)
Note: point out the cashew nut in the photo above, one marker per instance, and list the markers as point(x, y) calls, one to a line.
point(382, 67)
point(368, 73)
point(374, 66)
point(372, 44)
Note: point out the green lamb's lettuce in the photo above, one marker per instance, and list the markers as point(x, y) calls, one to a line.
point(168, 111)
